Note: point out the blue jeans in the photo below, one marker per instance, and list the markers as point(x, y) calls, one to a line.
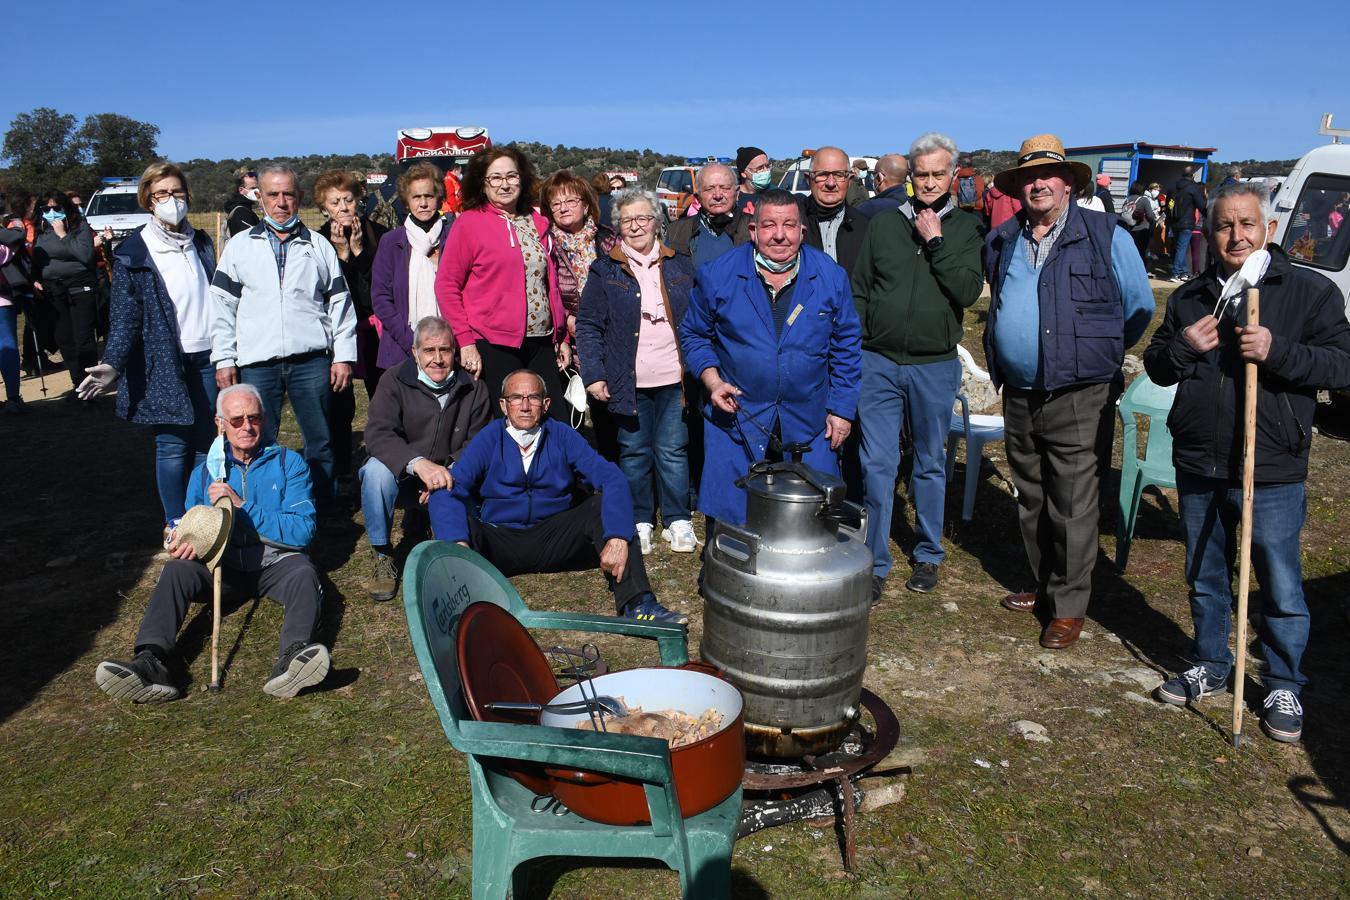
point(657, 434)
point(1211, 511)
point(925, 393)
point(304, 379)
point(9, 350)
point(1181, 260)
point(381, 492)
point(181, 448)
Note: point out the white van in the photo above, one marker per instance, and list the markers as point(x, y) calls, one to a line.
point(797, 178)
point(1312, 209)
point(114, 205)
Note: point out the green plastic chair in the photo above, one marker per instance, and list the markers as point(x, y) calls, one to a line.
point(1142, 398)
point(512, 825)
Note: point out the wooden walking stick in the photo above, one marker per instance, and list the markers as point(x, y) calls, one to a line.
point(1248, 489)
point(214, 686)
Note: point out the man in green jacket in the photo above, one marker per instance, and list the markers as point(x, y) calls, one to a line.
point(918, 270)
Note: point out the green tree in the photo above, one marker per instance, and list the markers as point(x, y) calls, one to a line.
point(117, 145)
point(44, 150)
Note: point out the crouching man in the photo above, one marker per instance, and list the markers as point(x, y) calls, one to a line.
point(1301, 344)
point(422, 415)
point(521, 474)
point(273, 522)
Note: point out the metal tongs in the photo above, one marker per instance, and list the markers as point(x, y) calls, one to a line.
point(580, 665)
point(602, 704)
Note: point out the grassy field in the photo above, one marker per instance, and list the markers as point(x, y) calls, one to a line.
point(352, 790)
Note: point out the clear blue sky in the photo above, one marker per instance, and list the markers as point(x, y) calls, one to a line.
point(227, 80)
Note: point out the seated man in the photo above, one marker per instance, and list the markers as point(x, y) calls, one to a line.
point(422, 415)
point(521, 473)
point(273, 500)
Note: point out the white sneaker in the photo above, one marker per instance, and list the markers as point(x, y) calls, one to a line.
point(644, 530)
point(681, 536)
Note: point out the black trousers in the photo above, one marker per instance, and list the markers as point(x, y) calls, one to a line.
point(568, 539)
point(291, 581)
point(74, 304)
point(535, 354)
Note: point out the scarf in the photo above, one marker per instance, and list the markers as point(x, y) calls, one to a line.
point(643, 259)
point(822, 213)
point(422, 246)
point(178, 240)
point(429, 223)
point(718, 223)
point(578, 248)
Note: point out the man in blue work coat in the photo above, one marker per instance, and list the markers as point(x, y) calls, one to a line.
point(773, 334)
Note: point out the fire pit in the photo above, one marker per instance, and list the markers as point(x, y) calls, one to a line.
point(779, 792)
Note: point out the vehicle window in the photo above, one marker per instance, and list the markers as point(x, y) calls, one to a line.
point(686, 182)
point(1318, 233)
point(113, 205)
point(663, 182)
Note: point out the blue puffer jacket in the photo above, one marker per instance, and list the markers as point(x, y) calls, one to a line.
point(610, 319)
point(277, 517)
point(143, 336)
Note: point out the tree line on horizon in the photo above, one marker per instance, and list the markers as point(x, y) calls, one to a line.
point(47, 149)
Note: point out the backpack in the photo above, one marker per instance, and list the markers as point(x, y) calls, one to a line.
point(965, 192)
point(1129, 215)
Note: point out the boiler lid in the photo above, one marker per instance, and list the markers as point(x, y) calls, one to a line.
point(793, 482)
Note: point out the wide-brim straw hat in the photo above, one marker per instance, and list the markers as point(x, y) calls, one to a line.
point(1042, 150)
point(207, 530)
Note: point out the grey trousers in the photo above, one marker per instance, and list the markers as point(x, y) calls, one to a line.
point(1059, 446)
point(291, 581)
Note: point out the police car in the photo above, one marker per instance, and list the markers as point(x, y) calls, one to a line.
point(114, 206)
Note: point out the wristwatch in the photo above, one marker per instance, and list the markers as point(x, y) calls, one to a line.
point(934, 243)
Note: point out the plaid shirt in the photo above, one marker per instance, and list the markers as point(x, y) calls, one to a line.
point(1038, 251)
point(279, 248)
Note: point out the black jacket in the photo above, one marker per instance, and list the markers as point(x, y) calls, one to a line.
point(1187, 199)
point(1309, 350)
point(680, 232)
point(356, 269)
point(239, 214)
point(406, 420)
point(849, 241)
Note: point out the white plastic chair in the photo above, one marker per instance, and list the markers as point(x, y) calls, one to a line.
point(976, 430)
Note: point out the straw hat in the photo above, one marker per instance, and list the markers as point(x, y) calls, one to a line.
point(1042, 150)
point(207, 530)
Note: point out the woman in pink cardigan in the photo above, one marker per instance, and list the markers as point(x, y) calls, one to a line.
point(497, 283)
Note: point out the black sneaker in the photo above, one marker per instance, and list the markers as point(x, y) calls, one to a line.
point(143, 680)
point(1193, 684)
point(924, 579)
point(878, 585)
point(299, 667)
point(1282, 719)
point(646, 608)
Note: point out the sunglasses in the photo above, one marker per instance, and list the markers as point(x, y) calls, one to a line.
point(253, 419)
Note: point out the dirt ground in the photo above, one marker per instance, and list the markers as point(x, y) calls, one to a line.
point(351, 790)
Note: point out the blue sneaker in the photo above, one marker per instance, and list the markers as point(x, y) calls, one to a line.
point(1282, 719)
point(645, 608)
point(1191, 685)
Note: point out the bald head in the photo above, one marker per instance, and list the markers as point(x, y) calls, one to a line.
point(830, 174)
point(894, 168)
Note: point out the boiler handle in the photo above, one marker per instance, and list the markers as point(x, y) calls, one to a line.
point(736, 547)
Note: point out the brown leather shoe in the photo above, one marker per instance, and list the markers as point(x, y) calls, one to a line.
point(1023, 602)
point(1061, 633)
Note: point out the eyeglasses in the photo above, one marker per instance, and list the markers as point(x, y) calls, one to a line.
point(819, 177)
point(524, 399)
point(560, 205)
point(644, 221)
point(161, 196)
point(253, 419)
point(499, 180)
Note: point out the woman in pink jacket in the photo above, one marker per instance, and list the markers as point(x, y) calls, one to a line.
point(497, 282)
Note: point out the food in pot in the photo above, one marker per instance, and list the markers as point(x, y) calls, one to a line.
point(675, 727)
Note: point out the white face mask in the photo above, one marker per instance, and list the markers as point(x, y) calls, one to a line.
point(1153, 194)
point(171, 210)
point(253, 194)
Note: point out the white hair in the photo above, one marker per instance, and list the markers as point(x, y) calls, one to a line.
point(710, 167)
point(238, 389)
point(932, 142)
point(1257, 189)
point(637, 195)
point(278, 169)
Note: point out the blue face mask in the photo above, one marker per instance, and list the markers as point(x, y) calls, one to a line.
point(289, 225)
point(426, 379)
point(761, 179)
point(54, 215)
point(777, 268)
